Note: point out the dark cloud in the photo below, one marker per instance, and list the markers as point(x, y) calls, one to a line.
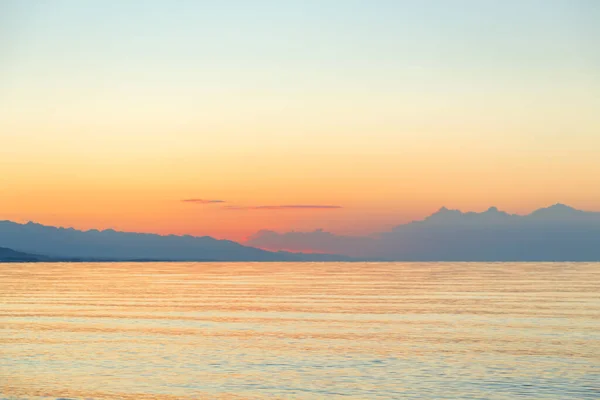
point(285, 207)
point(202, 201)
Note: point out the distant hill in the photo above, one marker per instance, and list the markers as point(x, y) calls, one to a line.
point(555, 233)
point(9, 255)
point(107, 245)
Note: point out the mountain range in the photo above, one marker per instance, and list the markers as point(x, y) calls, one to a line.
point(555, 233)
point(110, 245)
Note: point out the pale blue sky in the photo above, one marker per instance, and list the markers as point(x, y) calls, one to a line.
point(308, 42)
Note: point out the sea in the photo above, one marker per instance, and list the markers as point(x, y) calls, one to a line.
point(300, 331)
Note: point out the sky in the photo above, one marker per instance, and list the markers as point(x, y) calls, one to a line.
point(225, 118)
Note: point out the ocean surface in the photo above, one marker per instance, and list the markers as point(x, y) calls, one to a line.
point(300, 331)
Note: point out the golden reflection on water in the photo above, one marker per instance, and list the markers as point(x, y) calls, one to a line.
point(300, 330)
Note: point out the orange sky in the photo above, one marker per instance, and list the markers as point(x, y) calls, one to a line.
point(375, 191)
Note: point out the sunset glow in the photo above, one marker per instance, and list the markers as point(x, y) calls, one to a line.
point(342, 116)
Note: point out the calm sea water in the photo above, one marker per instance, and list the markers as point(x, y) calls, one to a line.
point(300, 330)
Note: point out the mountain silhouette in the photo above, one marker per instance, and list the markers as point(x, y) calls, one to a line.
point(555, 233)
point(111, 245)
